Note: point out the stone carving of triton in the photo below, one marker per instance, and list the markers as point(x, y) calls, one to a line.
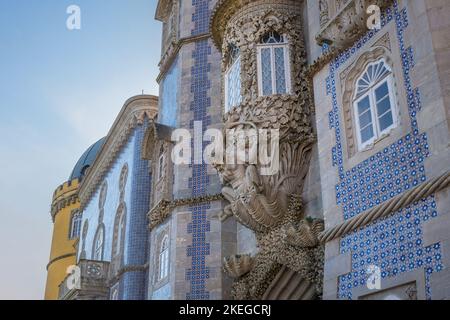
point(270, 205)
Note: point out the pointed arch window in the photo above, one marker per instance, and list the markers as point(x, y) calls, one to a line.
point(115, 293)
point(233, 96)
point(164, 258)
point(75, 225)
point(161, 163)
point(119, 234)
point(273, 65)
point(99, 239)
point(374, 104)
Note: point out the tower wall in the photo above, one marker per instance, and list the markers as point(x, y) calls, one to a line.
point(199, 241)
point(62, 255)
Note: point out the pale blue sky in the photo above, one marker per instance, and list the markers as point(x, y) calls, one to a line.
point(60, 91)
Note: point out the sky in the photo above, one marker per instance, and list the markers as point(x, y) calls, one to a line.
point(60, 91)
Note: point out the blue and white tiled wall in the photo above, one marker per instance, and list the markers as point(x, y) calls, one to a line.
point(132, 284)
point(198, 273)
point(168, 111)
point(394, 243)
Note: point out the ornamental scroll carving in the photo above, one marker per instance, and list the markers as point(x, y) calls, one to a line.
point(348, 23)
point(271, 206)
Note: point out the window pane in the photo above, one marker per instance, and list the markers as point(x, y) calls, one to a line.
point(234, 85)
point(382, 91)
point(383, 106)
point(266, 67)
point(280, 71)
point(363, 105)
point(366, 134)
point(386, 121)
point(365, 119)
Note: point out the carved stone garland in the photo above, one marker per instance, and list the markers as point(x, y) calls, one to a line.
point(271, 206)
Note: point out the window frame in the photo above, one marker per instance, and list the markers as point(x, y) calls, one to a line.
point(161, 164)
point(121, 234)
point(287, 66)
point(378, 133)
point(100, 232)
point(75, 215)
point(230, 68)
point(163, 259)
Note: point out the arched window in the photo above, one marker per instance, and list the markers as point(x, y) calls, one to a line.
point(374, 103)
point(97, 251)
point(102, 197)
point(83, 240)
point(273, 65)
point(115, 292)
point(119, 231)
point(161, 164)
point(121, 235)
point(233, 95)
point(123, 181)
point(164, 258)
point(115, 295)
point(75, 225)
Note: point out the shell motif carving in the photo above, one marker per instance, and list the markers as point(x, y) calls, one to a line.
point(305, 235)
point(238, 265)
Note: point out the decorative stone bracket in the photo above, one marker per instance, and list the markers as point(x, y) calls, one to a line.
point(349, 23)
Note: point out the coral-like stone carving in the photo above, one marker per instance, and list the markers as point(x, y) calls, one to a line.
point(270, 205)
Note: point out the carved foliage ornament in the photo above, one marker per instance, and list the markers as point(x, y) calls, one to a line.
point(271, 206)
point(348, 24)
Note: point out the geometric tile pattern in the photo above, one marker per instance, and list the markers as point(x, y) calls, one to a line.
point(398, 167)
point(394, 243)
point(134, 284)
point(200, 17)
point(198, 273)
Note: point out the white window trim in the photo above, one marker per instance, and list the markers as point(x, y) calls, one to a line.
point(161, 164)
point(98, 250)
point(120, 234)
point(163, 262)
point(227, 107)
point(378, 134)
point(287, 66)
point(75, 217)
point(115, 292)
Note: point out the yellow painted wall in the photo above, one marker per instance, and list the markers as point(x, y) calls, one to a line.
point(62, 248)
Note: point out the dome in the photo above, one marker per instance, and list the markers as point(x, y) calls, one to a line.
point(86, 160)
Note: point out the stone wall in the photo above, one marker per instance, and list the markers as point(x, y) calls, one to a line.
point(355, 182)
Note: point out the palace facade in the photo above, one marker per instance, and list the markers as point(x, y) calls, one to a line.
point(358, 93)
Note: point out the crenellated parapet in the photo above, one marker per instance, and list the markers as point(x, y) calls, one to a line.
point(64, 196)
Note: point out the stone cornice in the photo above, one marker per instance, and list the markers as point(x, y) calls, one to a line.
point(172, 52)
point(64, 256)
point(321, 62)
point(163, 9)
point(222, 12)
point(163, 209)
point(133, 113)
point(127, 269)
